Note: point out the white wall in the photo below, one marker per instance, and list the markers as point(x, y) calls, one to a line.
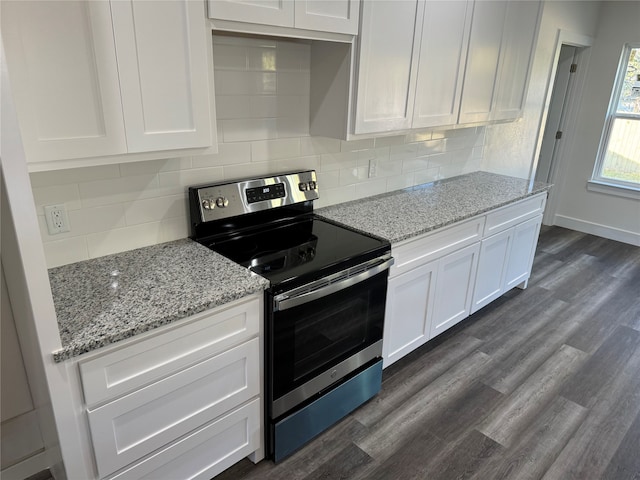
point(599, 213)
point(510, 147)
point(262, 96)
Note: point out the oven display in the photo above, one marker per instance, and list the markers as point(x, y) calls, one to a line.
point(268, 192)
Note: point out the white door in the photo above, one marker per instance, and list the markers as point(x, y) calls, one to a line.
point(525, 238)
point(408, 312)
point(454, 288)
point(443, 53)
point(554, 116)
point(337, 16)
point(162, 61)
point(266, 12)
point(64, 78)
point(481, 72)
point(494, 252)
point(518, 46)
point(386, 68)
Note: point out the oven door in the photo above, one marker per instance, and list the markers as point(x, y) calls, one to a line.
point(324, 331)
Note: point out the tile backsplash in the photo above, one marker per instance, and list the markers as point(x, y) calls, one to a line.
point(262, 108)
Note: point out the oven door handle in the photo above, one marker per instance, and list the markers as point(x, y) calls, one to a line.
point(284, 302)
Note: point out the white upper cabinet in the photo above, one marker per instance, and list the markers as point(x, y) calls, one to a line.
point(338, 16)
point(334, 16)
point(518, 45)
point(64, 76)
point(98, 78)
point(483, 59)
point(161, 51)
point(269, 12)
point(387, 67)
point(443, 53)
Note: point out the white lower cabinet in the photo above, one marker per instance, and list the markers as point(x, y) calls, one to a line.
point(456, 278)
point(410, 303)
point(439, 279)
point(182, 403)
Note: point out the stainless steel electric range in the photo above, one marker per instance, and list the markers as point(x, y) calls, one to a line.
point(324, 310)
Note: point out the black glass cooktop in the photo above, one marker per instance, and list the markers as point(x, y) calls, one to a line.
point(305, 248)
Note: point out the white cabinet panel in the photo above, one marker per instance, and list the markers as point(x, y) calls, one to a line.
point(525, 238)
point(494, 254)
point(481, 72)
point(408, 312)
point(137, 365)
point(205, 453)
point(135, 425)
point(64, 77)
point(268, 12)
point(443, 53)
point(162, 61)
point(387, 65)
point(518, 43)
point(339, 16)
point(511, 215)
point(454, 288)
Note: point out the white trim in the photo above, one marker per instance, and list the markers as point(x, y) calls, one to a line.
point(613, 189)
point(559, 167)
point(26, 468)
point(604, 231)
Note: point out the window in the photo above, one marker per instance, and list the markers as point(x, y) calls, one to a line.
point(618, 162)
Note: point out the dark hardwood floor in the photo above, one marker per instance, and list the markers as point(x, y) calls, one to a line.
point(541, 384)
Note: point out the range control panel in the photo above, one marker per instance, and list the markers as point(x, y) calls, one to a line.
point(225, 200)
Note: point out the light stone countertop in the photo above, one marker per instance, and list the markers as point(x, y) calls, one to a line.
point(403, 214)
point(155, 286)
point(163, 283)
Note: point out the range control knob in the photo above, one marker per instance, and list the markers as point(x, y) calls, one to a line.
point(303, 186)
point(207, 204)
point(312, 185)
point(222, 202)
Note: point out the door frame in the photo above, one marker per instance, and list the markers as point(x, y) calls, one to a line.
point(559, 167)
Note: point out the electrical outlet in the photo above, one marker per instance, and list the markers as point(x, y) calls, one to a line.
point(373, 167)
point(56, 217)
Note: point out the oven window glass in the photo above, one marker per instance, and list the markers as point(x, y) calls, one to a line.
point(313, 337)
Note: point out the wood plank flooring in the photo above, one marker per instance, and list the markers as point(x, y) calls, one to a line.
point(541, 384)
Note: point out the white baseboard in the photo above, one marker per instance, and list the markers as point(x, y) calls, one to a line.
point(26, 468)
point(604, 231)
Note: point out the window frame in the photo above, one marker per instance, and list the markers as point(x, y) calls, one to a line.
point(598, 182)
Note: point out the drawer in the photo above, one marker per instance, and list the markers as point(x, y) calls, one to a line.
point(511, 215)
point(205, 453)
point(137, 424)
point(416, 252)
point(136, 365)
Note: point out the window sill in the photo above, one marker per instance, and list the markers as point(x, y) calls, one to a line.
point(613, 189)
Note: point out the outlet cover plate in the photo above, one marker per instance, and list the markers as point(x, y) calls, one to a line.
point(56, 218)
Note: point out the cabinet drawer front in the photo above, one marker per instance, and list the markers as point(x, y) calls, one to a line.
point(435, 245)
point(511, 215)
point(141, 422)
point(130, 368)
point(205, 453)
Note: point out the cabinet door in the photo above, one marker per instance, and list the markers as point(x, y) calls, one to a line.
point(387, 60)
point(525, 238)
point(454, 288)
point(162, 61)
point(494, 252)
point(481, 72)
point(338, 16)
point(64, 76)
point(443, 53)
point(407, 320)
point(518, 43)
point(267, 12)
